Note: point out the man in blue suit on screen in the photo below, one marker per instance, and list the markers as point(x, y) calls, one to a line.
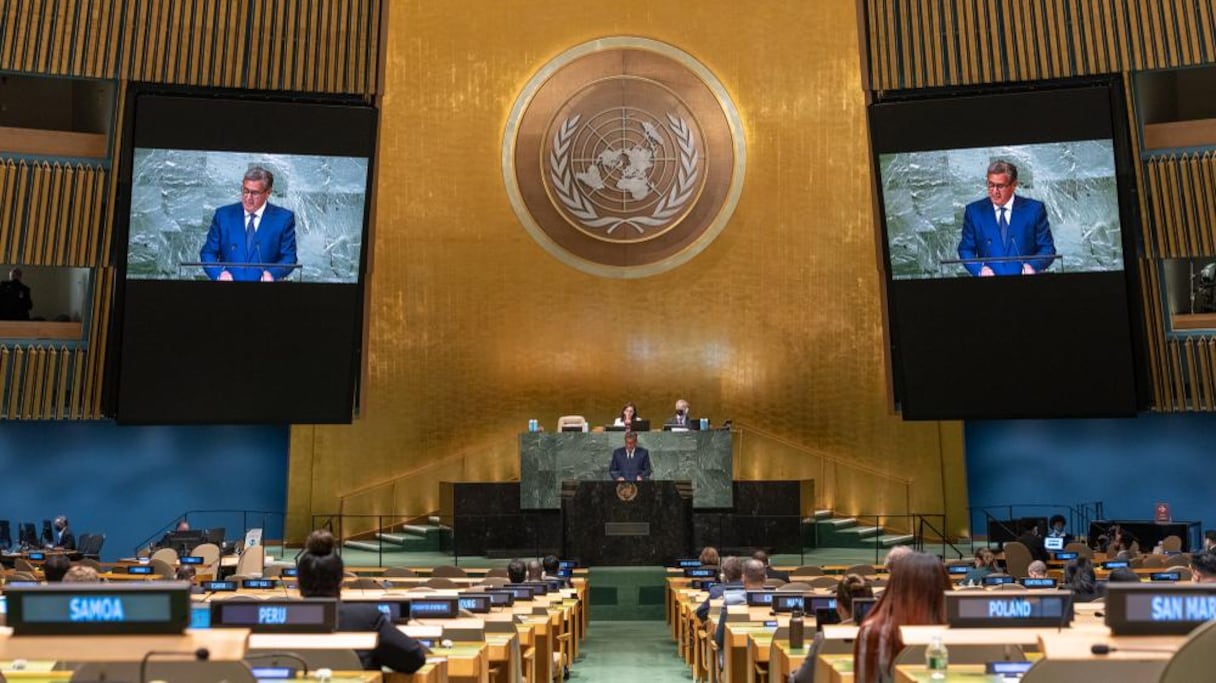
point(251, 231)
point(630, 463)
point(1006, 225)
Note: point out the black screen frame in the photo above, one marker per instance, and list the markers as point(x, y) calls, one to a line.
point(136, 390)
point(925, 335)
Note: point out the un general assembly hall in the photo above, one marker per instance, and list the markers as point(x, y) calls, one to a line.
point(521, 342)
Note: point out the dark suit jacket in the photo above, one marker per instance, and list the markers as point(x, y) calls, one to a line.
point(1029, 235)
point(395, 650)
point(690, 422)
point(67, 541)
point(777, 574)
point(15, 300)
point(274, 242)
point(630, 469)
point(715, 592)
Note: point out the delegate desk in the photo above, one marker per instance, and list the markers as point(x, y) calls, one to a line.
point(546, 460)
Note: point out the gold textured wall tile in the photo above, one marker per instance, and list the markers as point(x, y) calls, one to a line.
point(473, 328)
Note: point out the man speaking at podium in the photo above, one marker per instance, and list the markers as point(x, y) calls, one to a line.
point(1005, 225)
point(251, 231)
point(630, 463)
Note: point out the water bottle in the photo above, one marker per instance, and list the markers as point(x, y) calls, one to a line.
point(937, 658)
point(705, 423)
point(533, 425)
point(796, 633)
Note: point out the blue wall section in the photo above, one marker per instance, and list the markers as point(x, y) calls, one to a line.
point(1128, 464)
point(128, 482)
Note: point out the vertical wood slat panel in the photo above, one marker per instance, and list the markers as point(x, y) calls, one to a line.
point(1190, 374)
point(1181, 207)
point(1203, 378)
point(48, 210)
point(1177, 384)
point(1153, 323)
point(911, 41)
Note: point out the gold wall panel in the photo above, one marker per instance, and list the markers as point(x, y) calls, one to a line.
point(925, 43)
point(473, 328)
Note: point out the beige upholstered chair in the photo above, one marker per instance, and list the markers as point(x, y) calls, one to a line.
point(166, 555)
point(807, 570)
point(252, 562)
point(1171, 544)
point(572, 421)
point(448, 571)
point(1193, 661)
point(400, 572)
point(1017, 559)
point(1080, 549)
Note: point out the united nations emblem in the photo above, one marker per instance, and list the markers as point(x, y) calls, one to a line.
point(626, 492)
point(624, 157)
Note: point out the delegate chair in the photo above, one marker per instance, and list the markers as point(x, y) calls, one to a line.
point(165, 555)
point(1171, 544)
point(807, 570)
point(1192, 661)
point(448, 571)
point(576, 423)
point(1017, 559)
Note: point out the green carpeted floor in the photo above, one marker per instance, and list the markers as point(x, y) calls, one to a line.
point(622, 651)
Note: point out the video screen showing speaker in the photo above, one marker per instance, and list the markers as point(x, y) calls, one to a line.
point(1008, 220)
point(241, 223)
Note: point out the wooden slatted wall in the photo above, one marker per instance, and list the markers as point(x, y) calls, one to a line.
point(318, 46)
point(60, 212)
point(927, 43)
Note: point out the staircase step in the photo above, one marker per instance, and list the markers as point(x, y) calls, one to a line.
point(890, 540)
point(823, 514)
point(397, 539)
point(839, 522)
point(373, 547)
point(416, 529)
point(862, 531)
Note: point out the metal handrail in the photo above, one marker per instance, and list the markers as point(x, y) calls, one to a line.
point(245, 514)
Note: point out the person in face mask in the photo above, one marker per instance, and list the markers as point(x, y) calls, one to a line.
point(683, 416)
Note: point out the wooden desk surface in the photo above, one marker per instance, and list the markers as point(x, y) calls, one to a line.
point(964, 673)
point(341, 640)
point(784, 660)
point(224, 643)
point(434, 671)
point(834, 668)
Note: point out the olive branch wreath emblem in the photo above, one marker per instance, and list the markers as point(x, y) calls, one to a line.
point(670, 204)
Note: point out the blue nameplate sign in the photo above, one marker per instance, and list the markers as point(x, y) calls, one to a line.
point(90, 609)
point(968, 609)
point(1145, 609)
point(310, 615)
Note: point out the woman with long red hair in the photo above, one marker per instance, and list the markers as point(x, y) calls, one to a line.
point(915, 596)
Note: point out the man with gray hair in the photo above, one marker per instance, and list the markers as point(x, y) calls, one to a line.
point(1011, 229)
point(252, 239)
point(732, 579)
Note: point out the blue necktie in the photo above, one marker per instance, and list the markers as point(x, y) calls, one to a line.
point(249, 235)
point(1003, 224)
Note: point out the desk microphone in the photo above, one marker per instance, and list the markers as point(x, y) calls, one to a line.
point(200, 655)
point(1104, 649)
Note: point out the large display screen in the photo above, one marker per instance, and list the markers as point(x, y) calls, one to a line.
point(1008, 220)
point(188, 206)
point(242, 223)
point(941, 219)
